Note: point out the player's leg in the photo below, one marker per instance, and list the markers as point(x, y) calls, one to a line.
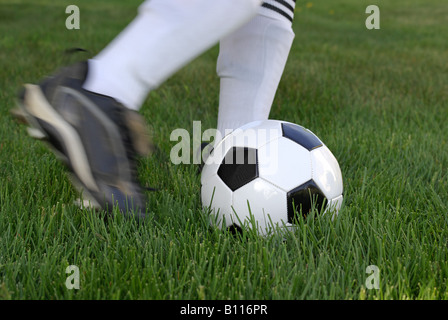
point(250, 64)
point(166, 35)
point(91, 125)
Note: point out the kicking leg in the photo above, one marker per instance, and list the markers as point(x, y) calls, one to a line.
point(165, 36)
point(85, 111)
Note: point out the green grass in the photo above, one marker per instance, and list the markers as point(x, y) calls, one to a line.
point(377, 98)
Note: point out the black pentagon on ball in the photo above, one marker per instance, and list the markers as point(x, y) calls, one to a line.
point(303, 198)
point(239, 167)
point(301, 136)
point(235, 229)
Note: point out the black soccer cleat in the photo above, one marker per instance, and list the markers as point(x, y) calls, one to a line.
point(94, 135)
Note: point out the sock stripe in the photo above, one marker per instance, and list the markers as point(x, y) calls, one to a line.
point(286, 4)
point(278, 10)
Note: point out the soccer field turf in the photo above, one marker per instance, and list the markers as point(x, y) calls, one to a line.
point(377, 98)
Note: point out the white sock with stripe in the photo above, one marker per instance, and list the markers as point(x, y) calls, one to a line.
point(250, 64)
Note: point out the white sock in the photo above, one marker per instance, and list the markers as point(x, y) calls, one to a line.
point(250, 64)
point(165, 35)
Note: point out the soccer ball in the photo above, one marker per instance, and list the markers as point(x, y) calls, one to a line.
point(267, 174)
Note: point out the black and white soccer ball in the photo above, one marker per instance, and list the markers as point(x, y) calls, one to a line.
point(267, 174)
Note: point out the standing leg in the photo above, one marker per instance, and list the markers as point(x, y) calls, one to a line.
point(250, 64)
